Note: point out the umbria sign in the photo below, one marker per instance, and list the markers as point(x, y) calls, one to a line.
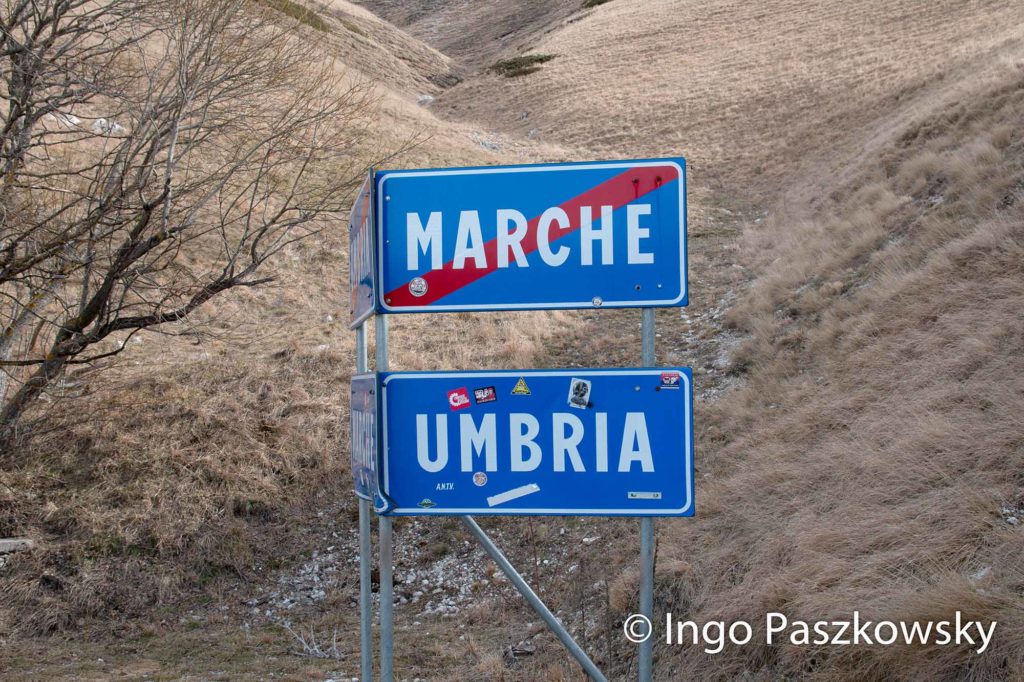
point(604, 442)
point(575, 235)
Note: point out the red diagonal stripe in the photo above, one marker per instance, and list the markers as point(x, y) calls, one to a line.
point(616, 192)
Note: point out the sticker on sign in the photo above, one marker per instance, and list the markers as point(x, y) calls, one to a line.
point(458, 399)
point(576, 235)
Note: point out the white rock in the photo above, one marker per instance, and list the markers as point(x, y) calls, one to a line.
point(9, 545)
point(103, 126)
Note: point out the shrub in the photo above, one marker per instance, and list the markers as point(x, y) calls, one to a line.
point(520, 66)
point(303, 14)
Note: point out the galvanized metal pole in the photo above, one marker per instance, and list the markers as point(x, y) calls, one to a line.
point(384, 540)
point(387, 599)
point(646, 667)
point(365, 596)
point(365, 557)
point(524, 588)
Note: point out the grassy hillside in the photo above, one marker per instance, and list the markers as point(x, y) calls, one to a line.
point(188, 461)
point(857, 241)
point(475, 33)
point(867, 457)
point(738, 87)
point(872, 460)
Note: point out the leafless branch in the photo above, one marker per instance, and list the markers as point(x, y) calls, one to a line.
point(153, 155)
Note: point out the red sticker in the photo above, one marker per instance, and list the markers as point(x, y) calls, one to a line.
point(458, 399)
point(670, 379)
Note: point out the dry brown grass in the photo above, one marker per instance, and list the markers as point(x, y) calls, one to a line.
point(191, 459)
point(736, 87)
point(182, 462)
point(475, 33)
point(867, 462)
point(863, 462)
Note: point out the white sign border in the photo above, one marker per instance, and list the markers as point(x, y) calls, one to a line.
point(567, 305)
point(490, 511)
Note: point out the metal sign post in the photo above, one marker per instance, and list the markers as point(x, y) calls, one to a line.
point(542, 610)
point(647, 524)
point(365, 604)
point(385, 539)
point(362, 292)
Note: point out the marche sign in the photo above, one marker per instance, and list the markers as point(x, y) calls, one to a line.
point(570, 235)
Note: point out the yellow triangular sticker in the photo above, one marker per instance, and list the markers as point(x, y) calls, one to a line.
point(521, 387)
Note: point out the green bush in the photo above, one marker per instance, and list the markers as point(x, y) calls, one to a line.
point(352, 27)
point(303, 14)
point(520, 66)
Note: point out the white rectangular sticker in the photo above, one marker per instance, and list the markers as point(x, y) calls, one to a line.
point(513, 494)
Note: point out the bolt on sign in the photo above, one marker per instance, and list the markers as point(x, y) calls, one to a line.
point(605, 442)
point(571, 235)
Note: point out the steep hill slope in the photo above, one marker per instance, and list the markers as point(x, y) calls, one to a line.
point(738, 87)
point(872, 461)
point(201, 455)
point(475, 33)
point(373, 47)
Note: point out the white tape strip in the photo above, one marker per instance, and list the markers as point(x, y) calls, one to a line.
point(513, 494)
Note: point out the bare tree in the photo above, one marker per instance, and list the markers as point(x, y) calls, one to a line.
point(154, 155)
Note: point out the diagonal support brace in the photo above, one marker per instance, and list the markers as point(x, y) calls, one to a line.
point(531, 597)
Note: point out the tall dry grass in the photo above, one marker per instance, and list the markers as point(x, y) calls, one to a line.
point(874, 456)
point(743, 89)
point(185, 461)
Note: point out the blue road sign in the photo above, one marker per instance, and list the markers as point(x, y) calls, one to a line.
point(365, 430)
point(571, 235)
point(610, 442)
point(361, 270)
